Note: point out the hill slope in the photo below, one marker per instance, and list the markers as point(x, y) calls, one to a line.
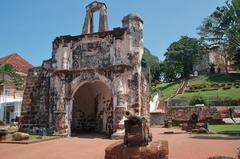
point(165, 90)
point(217, 86)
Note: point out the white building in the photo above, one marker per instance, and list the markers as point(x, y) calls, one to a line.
point(10, 97)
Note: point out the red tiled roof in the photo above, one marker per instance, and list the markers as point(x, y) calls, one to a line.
point(19, 63)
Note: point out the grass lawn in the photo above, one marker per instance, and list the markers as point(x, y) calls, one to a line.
point(216, 78)
point(233, 93)
point(225, 129)
point(165, 90)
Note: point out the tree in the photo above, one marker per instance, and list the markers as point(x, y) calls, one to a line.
point(170, 71)
point(234, 36)
point(184, 53)
point(8, 69)
point(152, 62)
point(222, 28)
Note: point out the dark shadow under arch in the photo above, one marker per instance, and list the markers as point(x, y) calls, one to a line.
point(92, 108)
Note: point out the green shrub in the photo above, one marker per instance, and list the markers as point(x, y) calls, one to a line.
point(236, 84)
point(222, 84)
point(209, 89)
point(198, 86)
point(191, 90)
point(197, 100)
point(226, 88)
point(215, 85)
point(229, 84)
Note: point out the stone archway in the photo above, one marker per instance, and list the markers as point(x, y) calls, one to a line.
point(92, 108)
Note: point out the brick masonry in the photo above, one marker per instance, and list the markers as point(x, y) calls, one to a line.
point(209, 114)
point(155, 150)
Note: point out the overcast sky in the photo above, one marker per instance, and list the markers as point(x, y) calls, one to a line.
point(28, 27)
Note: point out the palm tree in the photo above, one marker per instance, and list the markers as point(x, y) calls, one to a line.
point(222, 28)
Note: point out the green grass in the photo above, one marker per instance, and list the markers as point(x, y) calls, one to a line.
point(165, 90)
point(233, 93)
point(218, 93)
point(225, 129)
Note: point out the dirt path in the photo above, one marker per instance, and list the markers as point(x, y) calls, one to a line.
point(182, 146)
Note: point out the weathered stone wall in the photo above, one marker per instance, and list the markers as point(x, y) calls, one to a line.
point(145, 98)
point(178, 102)
point(214, 102)
point(209, 114)
point(157, 118)
point(208, 57)
point(35, 108)
point(110, 57)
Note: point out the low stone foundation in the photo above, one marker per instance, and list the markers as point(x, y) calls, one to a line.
point(155, 150)
point(157, 118)
point(212, 115)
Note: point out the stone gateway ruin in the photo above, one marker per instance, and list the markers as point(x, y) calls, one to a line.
point(90, 80)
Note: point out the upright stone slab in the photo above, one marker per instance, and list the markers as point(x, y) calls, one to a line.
point(89, 80)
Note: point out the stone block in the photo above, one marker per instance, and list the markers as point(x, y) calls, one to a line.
point(18, 136)
point(184, 126)
point(155, 150)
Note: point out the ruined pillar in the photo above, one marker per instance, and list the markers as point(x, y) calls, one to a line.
point(103, 21)
point(134, 24)
point(88, 26)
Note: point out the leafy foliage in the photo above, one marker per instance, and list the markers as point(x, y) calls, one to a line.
point(152, 62)
point(222, 27)
point(180, 58)
point(170, 70)
point(197, 100)
point(8, 69)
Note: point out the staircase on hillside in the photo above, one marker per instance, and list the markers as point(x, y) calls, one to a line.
point(162, 104)
point(180, 90)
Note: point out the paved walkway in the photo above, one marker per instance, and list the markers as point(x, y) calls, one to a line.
point(182, 146)
point(186, 146)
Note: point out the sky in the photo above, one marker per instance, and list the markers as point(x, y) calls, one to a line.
point(28, 27)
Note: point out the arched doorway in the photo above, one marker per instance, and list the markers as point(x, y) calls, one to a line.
point(92, 108)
